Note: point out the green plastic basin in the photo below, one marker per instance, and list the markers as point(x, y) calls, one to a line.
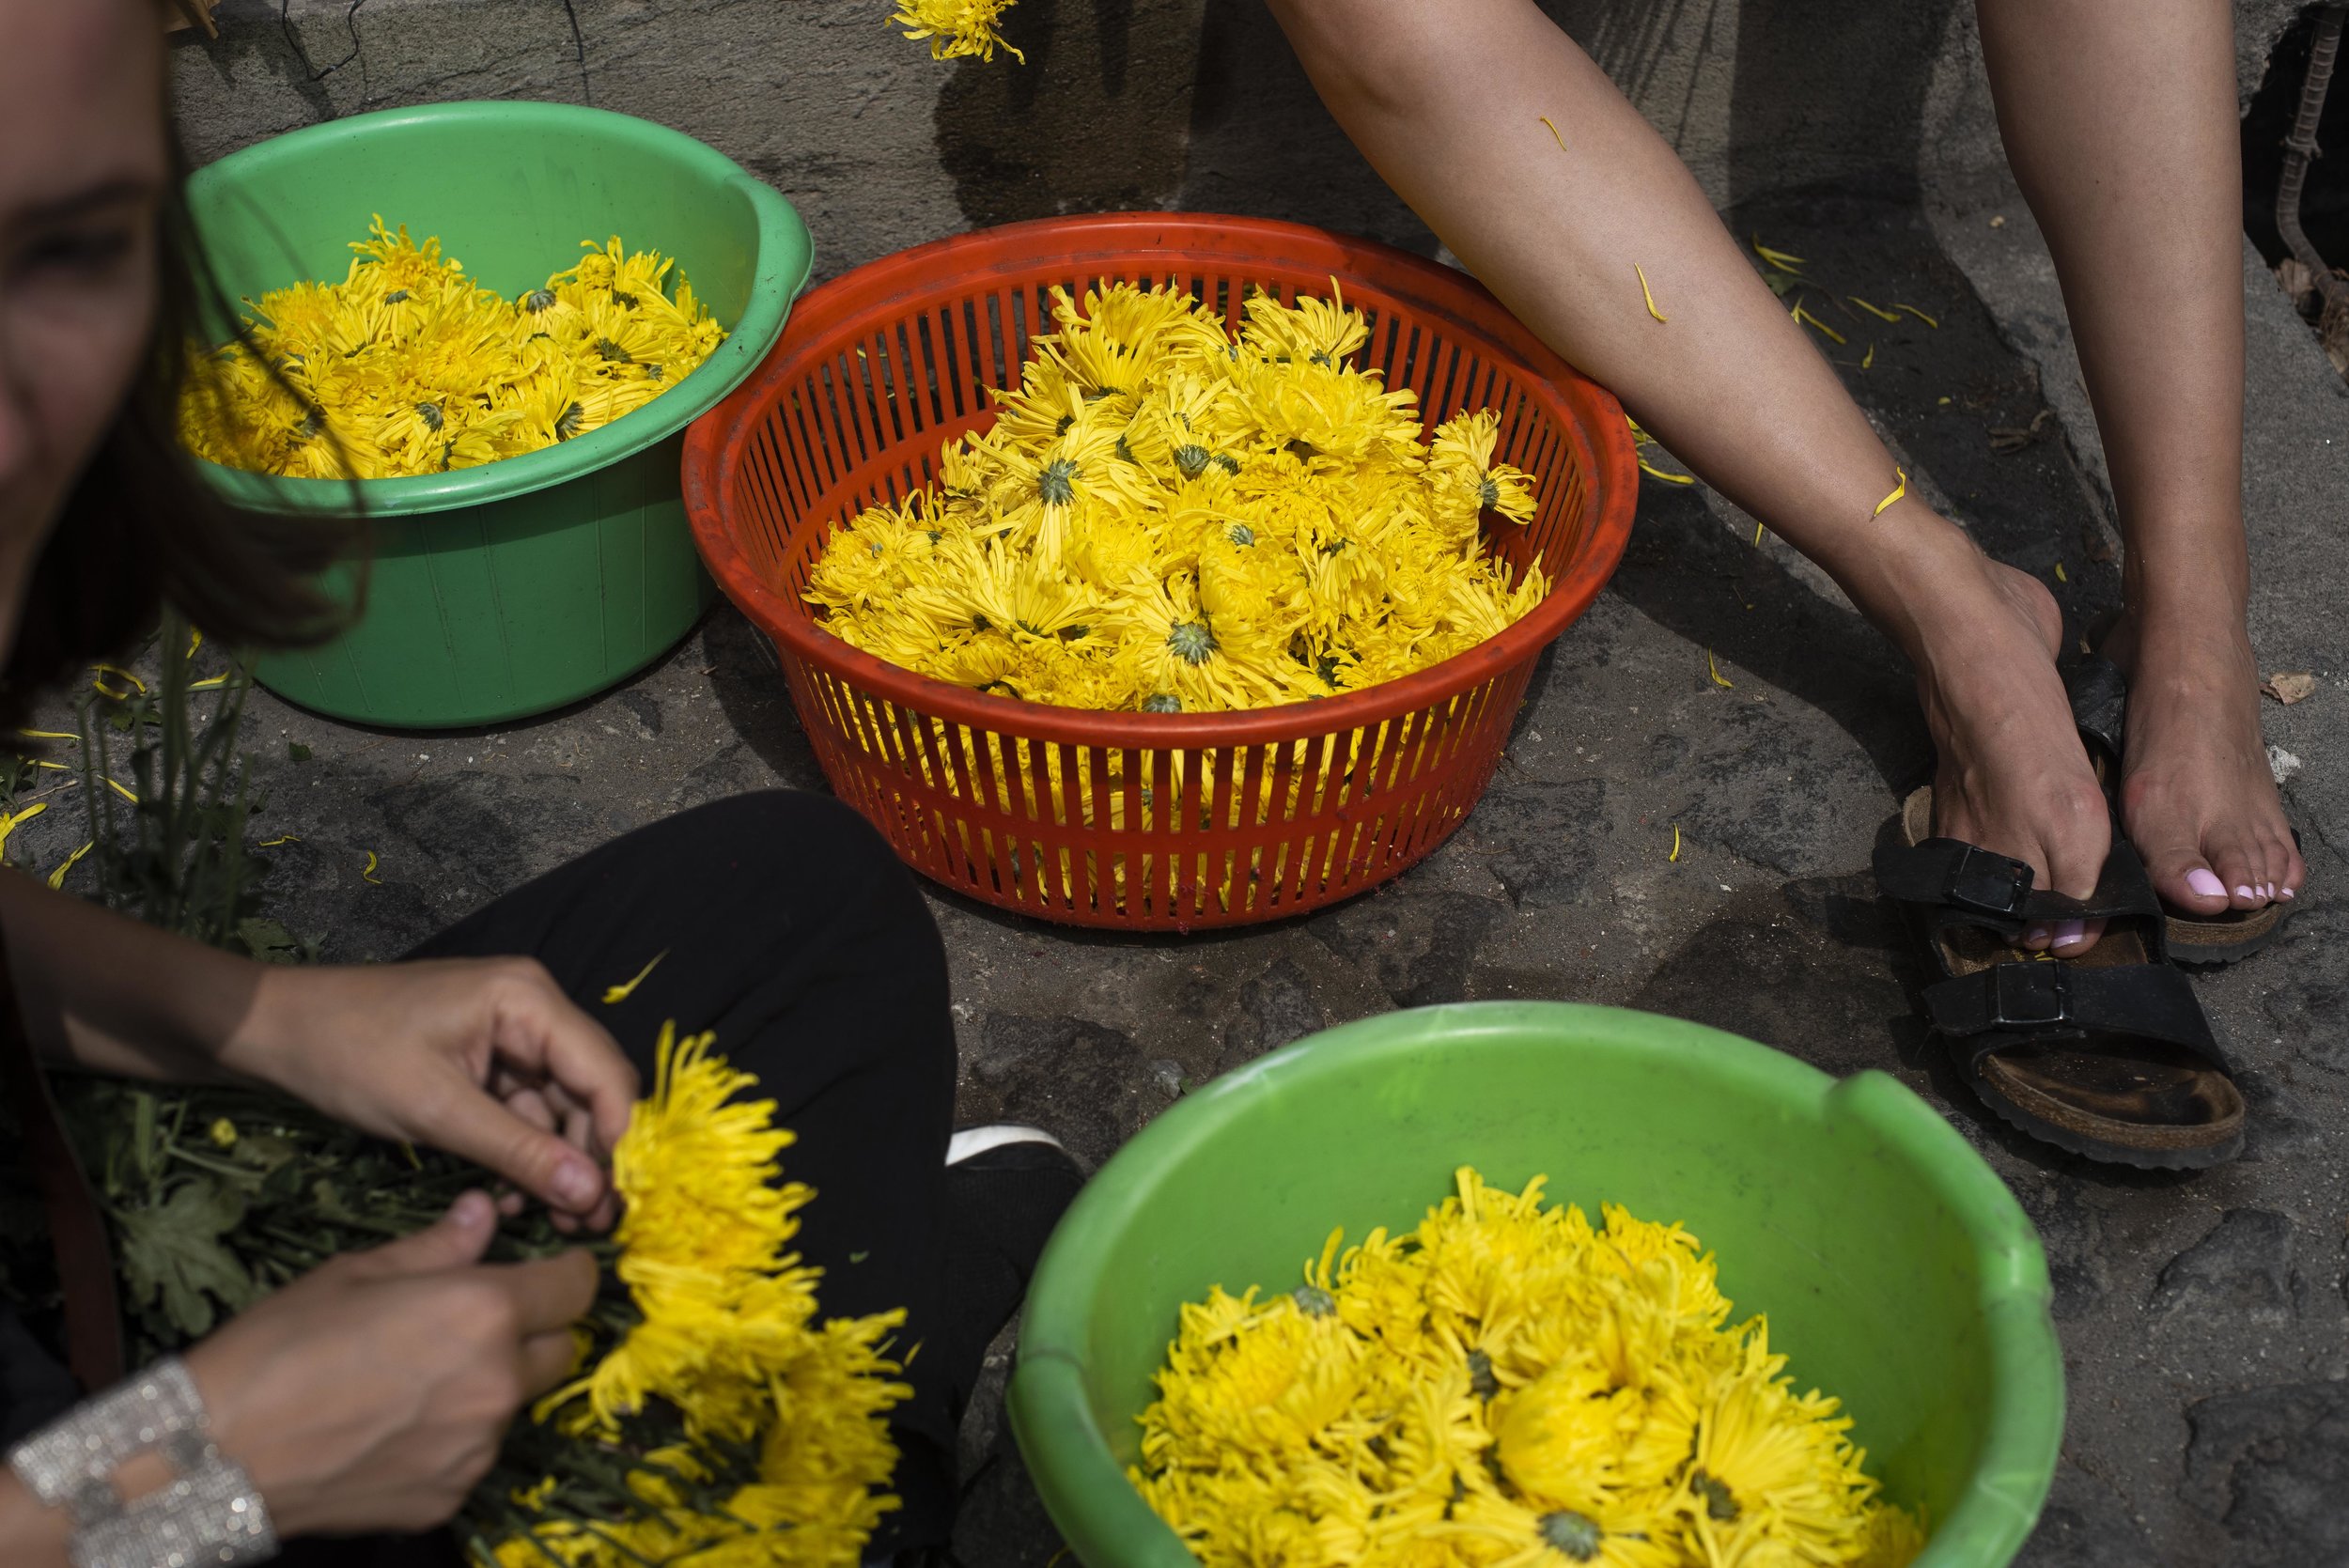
point(517, 586)
point(1897, 1270)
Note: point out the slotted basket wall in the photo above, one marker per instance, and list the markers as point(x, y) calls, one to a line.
point(1137, 821)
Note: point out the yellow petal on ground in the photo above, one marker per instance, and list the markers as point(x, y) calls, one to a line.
point(1715, 671)
point(11, 820)
point(57, 878)
point(208, 683)
point(1670, 479)
point(58, 766)
point(367, 872)
point(614, 995)
point(1778, 260)
point(1898, 490)
point(1804, 315)
point(1919, 314)
point(1874, 310)
point(1647, 293)
point(1757, 536)
point(2059, 573)
point(106, 691)
point(195, 641)
point(48, 734)
point(282, 838)
point(1869, 358)
point(124, 790)
point(1674, 856)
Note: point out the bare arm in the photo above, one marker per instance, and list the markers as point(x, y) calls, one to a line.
point(104, 992)
point(31, 1536)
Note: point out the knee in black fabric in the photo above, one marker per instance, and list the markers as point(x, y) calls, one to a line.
point(789, 838)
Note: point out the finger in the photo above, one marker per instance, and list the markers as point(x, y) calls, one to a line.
point(541, 1030)
point(474, 1124)
point(549, 1294)
point(579, 1130)
point(544, 1361)
point(452, 1241)
point(532, 1107)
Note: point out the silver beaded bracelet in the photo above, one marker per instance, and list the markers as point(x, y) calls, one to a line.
point(208, 1513)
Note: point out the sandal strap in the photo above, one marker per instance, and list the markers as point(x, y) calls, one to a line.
point(2100, 703)
point(1951, 874)
point(2052, 997)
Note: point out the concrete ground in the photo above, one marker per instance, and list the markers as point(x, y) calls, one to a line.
point(2205, 1318)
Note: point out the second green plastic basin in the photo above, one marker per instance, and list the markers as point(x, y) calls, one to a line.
point(1897, 1270)
point(520, 586)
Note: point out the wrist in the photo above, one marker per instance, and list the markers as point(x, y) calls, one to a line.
point(264, 1047)
point(31, 1532)
point(136, 1476)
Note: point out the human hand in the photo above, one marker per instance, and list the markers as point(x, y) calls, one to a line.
point(373, 1392)
point(485, 1058)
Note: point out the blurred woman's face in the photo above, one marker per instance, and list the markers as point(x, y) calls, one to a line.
point(81, 165)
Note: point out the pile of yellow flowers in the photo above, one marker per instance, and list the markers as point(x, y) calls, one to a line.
point(1503, 1387)
point(407, 366)
point(1168, 519)
point(750, 1434)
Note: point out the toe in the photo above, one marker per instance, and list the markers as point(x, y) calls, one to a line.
point(2072, 938)
point(2296, 870)
point(2240, 867)
point(2187, 880)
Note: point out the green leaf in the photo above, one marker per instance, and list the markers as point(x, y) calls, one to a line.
point(1780, 283)
point(297, 752)
point(172, 1255)
point(270, 942)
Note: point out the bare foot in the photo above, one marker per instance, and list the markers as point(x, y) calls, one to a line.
point(2197, 796)
point(2012, 776)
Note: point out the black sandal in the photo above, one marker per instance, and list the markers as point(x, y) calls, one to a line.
point(2107, 1055)
point(2100, 707)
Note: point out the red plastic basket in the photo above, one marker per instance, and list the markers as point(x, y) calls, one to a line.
point(1136, 821)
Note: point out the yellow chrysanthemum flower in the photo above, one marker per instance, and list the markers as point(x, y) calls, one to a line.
point(1505, 1386)
point(956, 28)
point(407, 368)
point(1203, 523)
point(730, 1365)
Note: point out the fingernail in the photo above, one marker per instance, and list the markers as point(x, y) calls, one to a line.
point(2069, 931)
point(577, 1184)
point(2035, 936)
point(2245, 892)
point(2205, 883)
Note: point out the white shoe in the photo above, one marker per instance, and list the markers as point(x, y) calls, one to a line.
point(972, 1141)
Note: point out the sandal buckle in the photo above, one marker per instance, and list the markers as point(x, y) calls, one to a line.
point(1986, 883)
point(2029, 996)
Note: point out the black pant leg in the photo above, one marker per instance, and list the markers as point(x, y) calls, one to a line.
point(790, 929)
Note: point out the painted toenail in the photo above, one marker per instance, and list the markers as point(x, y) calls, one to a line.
point(2245, 892)
point(2069, 931)
point(2035, 936)
point(2205, 883)
point(2286, 894)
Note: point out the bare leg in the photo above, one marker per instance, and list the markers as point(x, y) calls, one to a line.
point(2120, 121)
point(1447, 101)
